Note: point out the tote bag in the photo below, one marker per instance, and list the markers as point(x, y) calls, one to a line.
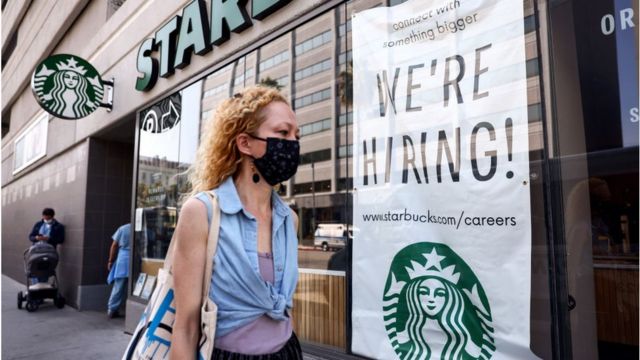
point(152, 337)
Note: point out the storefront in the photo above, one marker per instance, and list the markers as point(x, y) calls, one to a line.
point(580, 275)
point(581, 124)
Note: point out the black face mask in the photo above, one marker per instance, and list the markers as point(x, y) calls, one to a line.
point(280, 162)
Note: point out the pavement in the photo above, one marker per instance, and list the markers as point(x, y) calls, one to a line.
point(51, 333)
point(61, 334)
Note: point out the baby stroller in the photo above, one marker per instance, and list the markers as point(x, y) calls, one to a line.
point(40, 261)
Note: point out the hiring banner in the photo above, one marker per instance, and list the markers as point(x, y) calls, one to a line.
point(442, 220)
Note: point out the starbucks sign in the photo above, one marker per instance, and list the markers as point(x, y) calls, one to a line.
point(67, 86)
point(435, 307)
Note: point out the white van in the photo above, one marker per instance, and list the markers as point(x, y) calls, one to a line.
point(332, 236)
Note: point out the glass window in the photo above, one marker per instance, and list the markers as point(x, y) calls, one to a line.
point(345, 57)
point(216, 90)
point(345, 119)
point(315, 127)
point(306, 188)
point(165, 153)
point(596, 158)
point(315, 156)
point(313, 98)
point(541, 318)
point(345, 184)
point(274, 60)
point(345, 150)
point(313, 42)
point(533, 67)
point(321, 190)
point(529, 24)
point(31, 145)
point(343, 29)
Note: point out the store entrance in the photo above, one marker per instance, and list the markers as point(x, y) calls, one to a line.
point(109, 184)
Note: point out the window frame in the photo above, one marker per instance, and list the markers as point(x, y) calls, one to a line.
point(37, 121)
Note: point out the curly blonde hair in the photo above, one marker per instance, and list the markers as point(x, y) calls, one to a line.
point(218, 157)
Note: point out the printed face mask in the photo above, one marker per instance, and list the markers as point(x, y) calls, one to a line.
point(280, 161)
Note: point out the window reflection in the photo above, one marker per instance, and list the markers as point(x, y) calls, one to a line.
point(168, 137)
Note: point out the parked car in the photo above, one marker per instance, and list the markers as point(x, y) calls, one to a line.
point(332, 236)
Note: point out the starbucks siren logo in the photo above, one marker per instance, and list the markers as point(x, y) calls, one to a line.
point(434, 307)
point(67, 86)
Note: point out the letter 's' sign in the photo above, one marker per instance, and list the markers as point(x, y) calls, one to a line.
point(67, 86)
point(191, 32)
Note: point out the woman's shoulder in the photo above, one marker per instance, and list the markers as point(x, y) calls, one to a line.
point(192, 219)
point(193, 206)
point(204, 196)
point(201, 202)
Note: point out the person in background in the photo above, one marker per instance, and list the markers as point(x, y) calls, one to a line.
point(118, 267)
point(48, 229)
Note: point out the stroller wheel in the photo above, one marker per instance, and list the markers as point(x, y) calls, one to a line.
point(59, 301)
point(20, 299)
point(32, 305)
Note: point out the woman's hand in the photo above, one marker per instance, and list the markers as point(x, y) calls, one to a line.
point(189, 261)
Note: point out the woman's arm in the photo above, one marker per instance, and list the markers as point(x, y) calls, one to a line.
point(188, 273)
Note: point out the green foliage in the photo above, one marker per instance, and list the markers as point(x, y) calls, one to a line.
point(268, 81)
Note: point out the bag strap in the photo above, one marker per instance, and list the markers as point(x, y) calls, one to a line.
point(212, 245)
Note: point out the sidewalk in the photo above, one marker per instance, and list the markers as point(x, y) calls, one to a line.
point(61, 334)
point(51, 333)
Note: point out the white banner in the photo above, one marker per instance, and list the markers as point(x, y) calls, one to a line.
point(442, 220)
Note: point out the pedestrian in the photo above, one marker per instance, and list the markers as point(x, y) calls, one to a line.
point(118, 268)
point(250, 146)
point(48, 229)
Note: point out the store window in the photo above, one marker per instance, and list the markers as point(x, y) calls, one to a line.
point(168, 137)
point(596, 151)
point(31, 145)
point(583, 152)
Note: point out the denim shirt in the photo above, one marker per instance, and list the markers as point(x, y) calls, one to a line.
point(237, 287)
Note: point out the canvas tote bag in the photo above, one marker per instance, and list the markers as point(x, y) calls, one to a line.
point(152, 337)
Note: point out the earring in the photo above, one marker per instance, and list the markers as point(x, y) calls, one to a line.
point(256, 177)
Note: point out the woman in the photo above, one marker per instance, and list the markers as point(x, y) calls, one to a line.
point(250, 146)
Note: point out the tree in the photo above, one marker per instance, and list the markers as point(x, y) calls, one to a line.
point(345, 85)
point(268, 81)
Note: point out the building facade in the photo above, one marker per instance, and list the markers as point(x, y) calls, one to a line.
point(129, 164)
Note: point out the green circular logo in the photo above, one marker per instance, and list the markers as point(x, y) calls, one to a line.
point(67, 86)
point(434, 307)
